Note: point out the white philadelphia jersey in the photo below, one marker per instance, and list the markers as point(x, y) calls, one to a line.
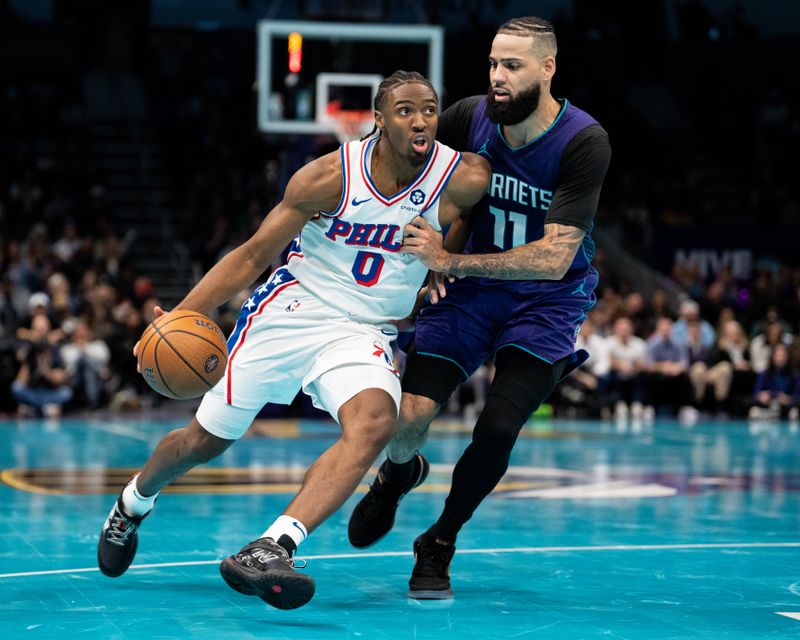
point(349, 257)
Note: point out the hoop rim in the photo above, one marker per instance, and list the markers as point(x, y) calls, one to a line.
point(349, 124)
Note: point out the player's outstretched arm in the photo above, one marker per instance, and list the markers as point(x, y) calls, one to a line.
point(315, 187)
point(546, 259)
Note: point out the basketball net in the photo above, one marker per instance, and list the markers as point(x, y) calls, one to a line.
point(349, 124)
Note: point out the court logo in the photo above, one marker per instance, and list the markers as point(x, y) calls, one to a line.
point(417, 196)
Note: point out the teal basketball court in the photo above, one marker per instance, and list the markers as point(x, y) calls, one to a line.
point(599, 530)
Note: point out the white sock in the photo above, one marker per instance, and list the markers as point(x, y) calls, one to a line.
point(134, 503)
point(286, 526)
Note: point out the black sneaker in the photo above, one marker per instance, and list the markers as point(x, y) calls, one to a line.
point(430, 579)
point(264, 568)
point(118, 541)
point(374, 515)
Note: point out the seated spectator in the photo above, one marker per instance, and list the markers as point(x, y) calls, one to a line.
point(777, 390)
point(626, 353)
point(730, 374)
point(762, 346)
point(86, 362)
point(41, 382)
point(667, 365)
point(699, 356)
point(588, 384)
point(689, 312)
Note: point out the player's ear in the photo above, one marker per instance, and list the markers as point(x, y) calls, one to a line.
point(379, 120)
point(548, 68)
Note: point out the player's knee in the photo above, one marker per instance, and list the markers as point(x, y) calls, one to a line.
point(371, 433)
point(498, 427)
point(416, 413)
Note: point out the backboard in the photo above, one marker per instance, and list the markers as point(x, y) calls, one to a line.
point(305, 68)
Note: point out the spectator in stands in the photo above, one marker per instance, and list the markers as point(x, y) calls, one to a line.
point(762, 346)
point(777, 390)
point(627, 358)
point(86, 360)
point(62, 303)
point(41, 382)
point(667, 365)
point(699, 356)
point(729, 373)
point(688, 312)
point(127, 386)
point(588, 384)
point(634, 307)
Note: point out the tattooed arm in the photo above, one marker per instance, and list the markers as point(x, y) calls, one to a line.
point(544, 259)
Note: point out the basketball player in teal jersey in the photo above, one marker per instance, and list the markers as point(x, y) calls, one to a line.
point(526, 284)
point(322, 323)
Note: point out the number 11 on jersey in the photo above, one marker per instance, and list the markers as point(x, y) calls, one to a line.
point(518, 222)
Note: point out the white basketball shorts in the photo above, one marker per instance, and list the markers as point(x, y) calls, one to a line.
point(286, 339)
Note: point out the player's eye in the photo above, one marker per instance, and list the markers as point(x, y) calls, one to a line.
point(403, 111)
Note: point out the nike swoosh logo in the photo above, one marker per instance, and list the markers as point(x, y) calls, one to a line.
point(355, 202)
point(300, 529)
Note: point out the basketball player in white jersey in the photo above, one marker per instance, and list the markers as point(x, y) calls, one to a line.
point(321, 323)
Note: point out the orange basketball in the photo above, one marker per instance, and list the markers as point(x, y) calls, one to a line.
point(182, 354)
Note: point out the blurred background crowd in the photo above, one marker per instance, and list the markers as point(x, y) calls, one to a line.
point(130, 162)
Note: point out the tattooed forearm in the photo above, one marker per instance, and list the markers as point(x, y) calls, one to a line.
point(545, 259)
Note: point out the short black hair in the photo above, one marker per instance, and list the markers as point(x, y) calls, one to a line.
point(540, 29)
point(395, 80)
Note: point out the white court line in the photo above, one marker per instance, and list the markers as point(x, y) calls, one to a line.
point(399, 554)
point(119, 430)
point(789, 614)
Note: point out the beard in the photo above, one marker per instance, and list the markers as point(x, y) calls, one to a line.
point(516, 109)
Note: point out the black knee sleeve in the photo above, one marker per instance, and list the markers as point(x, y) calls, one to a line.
point(497, 428)
point(524, 380)
point(434, 378)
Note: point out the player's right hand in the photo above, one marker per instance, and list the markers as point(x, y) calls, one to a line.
point(157, 312)
point(436, 285)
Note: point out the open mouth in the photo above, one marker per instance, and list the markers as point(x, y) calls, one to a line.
point(501, 95)
point(420, 143)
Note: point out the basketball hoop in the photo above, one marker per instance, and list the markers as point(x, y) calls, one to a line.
point(349, 124)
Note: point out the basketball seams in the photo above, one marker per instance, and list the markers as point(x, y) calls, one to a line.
point(155, 327)
point(194, 335)
point(185, 361)
point(215, 346)
point(158, 368)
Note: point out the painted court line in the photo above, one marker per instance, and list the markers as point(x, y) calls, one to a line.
point(120, 430)
point(399, 554)
point(789, 614)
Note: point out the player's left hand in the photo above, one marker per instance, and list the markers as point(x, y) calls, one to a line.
point(423, 241)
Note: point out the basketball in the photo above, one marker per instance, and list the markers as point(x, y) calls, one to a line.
point(182, 354)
